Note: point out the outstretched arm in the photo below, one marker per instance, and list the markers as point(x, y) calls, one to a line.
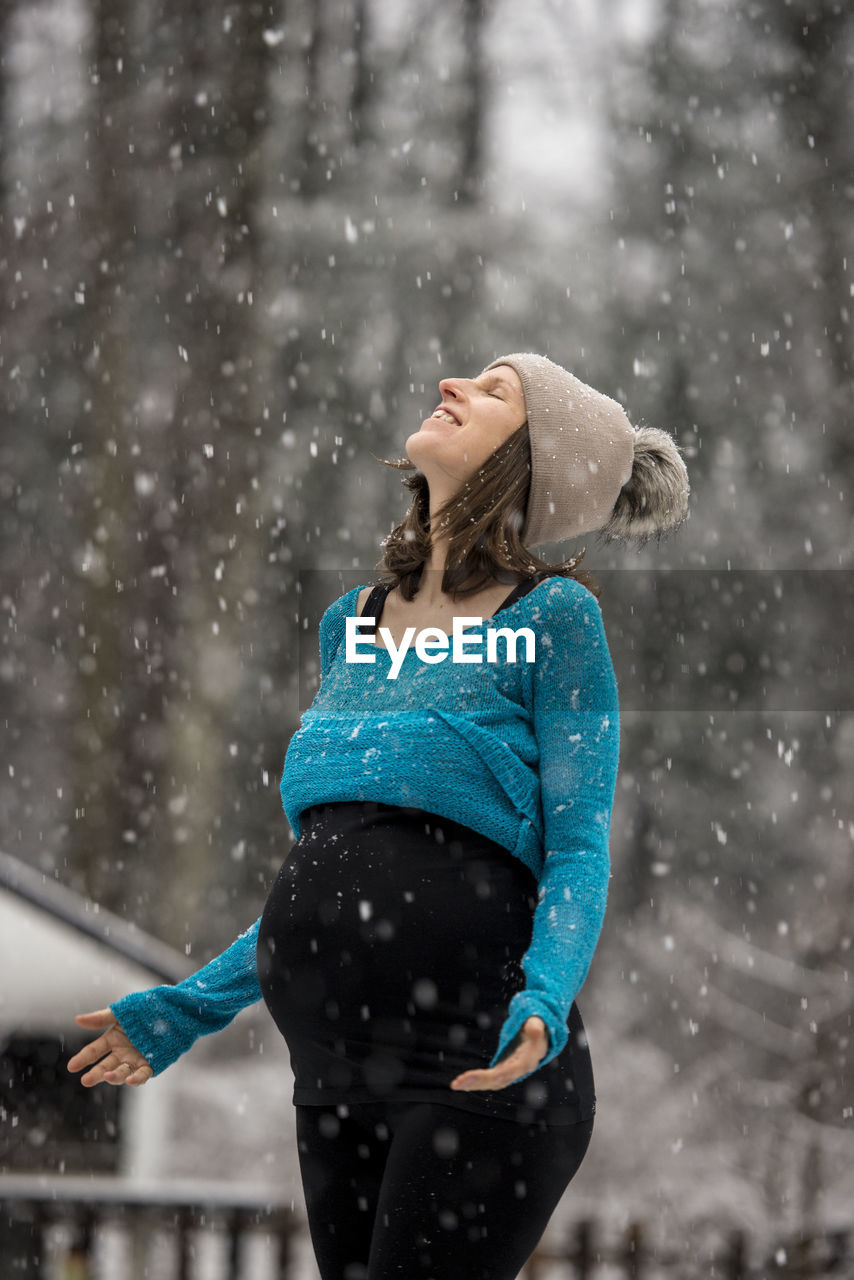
point(153, 1028)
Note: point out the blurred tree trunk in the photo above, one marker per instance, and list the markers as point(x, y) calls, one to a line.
point(7, 18)
point(364, 84)
point(469, 182)
point(656, 210)
point(119, 670)
point(226, 420)
point(315, 162)
point(659, 210)
point(816, 99)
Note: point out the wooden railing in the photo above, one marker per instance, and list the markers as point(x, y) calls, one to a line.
point(702, 1250)
point(86, 1229)
point(89, 1229)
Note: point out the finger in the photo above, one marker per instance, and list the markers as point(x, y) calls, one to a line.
point(508, 1064)
point(141, 1075)
point(491, 1079)
point(110, 1063)
point(102, 1072)
point(520, 1063)
point(90, 1053)
point(119, 1074)
point(477, 1080)
point(93, 1077)
point(100, 1018)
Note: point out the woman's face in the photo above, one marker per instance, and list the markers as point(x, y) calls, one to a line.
point(475, 417)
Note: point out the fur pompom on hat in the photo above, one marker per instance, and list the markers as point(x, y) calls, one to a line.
point(590, 468)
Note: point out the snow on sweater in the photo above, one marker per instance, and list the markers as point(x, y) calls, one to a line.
point(524, 753)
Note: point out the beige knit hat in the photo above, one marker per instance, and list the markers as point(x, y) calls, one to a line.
point(590, 468)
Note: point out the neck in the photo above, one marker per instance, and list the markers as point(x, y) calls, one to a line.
point(430, 583)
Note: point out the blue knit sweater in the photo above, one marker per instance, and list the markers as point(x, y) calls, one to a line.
point(524, 753)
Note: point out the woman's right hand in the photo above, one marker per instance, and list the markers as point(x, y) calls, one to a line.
point(112, 1058)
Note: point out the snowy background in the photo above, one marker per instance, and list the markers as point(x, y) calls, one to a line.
point(240, 244)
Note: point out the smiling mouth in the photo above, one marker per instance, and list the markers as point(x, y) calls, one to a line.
point(444, 416)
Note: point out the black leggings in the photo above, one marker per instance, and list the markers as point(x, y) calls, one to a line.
point(429, 1190)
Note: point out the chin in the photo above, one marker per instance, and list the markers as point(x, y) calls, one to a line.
point(418, 444)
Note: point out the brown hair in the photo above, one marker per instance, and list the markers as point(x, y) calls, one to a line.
point(482, 521)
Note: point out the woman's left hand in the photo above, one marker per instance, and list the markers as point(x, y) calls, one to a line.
point(524, 1059)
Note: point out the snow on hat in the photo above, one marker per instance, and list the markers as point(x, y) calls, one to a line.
point(590, 468)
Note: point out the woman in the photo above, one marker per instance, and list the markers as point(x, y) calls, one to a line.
point(423, 945)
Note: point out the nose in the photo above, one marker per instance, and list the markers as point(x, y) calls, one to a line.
point(452, 388)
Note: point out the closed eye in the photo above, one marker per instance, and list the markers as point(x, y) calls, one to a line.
point(495, 390)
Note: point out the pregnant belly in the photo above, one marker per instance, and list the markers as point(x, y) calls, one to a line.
point(383, 933)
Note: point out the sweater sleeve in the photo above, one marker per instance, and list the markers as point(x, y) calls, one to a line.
point(163, 1022)
point(576, 722)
